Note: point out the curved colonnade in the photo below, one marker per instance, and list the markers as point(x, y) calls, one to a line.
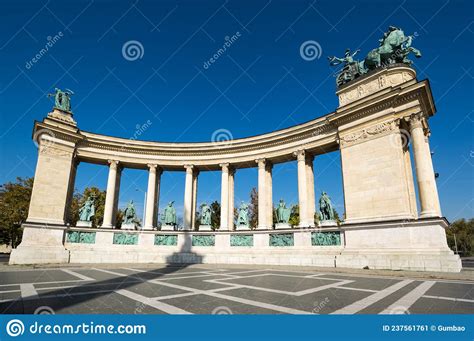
point(378, 114)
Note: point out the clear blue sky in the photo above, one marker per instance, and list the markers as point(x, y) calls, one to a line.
point(260, 84)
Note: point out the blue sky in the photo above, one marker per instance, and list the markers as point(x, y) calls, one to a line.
point(260, 84)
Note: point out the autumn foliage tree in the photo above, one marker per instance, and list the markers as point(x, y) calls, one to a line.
point(14, 205)
point(461, 236)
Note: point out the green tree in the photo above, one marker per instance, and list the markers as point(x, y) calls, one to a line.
point(197, 219)
point(118, 219)
point(14, 205)
point(215, 215)
point(294, 215)
point(99, 202)
point(464, 231)
point(253, 208)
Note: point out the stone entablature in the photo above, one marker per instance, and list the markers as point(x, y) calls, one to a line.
point(318, 136)
point(382, 79)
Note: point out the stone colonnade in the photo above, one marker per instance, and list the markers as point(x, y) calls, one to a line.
point(381, 119)
point(428, 195)
point(376, 166)
point(306, 194)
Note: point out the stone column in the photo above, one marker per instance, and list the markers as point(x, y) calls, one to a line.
point(188, 197)
point(70, 194)
point(427, 190)
point(269, 194)
point(194, 204)
point(302, 188)
point(111, 197)
point(310, 184)
point(150, 198)
point(224, 197)
point(262, 194)
point(230, 224)
point(156, 206)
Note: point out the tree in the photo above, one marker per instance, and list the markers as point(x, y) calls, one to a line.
point(99, 202)
point(197, 220)
point(253, 208)
point(294, 215)
point(464, 231)
point(14, 205)
point(215, 215)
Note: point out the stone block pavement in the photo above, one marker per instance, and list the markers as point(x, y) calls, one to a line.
point(226, 289)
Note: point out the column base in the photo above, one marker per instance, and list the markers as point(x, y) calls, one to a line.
point(39, 255)
point(264, 227)
point(429, 214)
point(305, 226)
point(41, 244)
point(147, 228)
point(206, 228)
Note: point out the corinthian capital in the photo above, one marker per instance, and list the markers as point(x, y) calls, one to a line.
point(416, 120)
point(300, 154)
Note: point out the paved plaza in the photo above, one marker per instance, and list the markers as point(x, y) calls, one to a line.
point(203, 289)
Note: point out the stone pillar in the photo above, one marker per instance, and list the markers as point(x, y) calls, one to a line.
point(269, 194)
point(224, 197)
point(150, 198)
point(156, 206)
point(310, 184)
point(70, 195)
point(427, 190)
point(230, 224)
point(111, 198)
point(188, 197)
point(194, 204)
point(302, 188)
point(262, 195)
point(54, 181)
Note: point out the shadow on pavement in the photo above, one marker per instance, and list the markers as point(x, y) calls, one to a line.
point(63, 298)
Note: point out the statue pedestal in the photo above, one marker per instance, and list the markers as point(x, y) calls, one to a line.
point(205, 228)
point(81, 223)
point(128, 227)
point(168, 228)
point(61, 116)
point(327, 223)
point(281, 226)
point(242, 227)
